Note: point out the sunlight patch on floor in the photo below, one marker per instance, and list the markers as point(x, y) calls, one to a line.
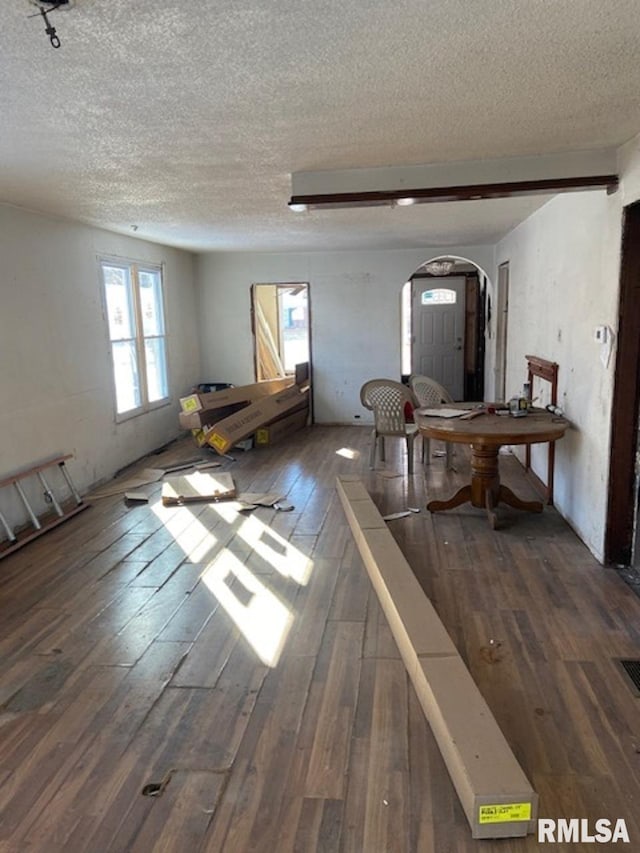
point(187, 530)
point(348, 453)
point(227, 510)
point(264, 620)
point(285, 558)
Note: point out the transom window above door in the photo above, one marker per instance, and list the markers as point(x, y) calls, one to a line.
point(438, 296)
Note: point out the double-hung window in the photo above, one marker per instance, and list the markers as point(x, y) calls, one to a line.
point(135, 313)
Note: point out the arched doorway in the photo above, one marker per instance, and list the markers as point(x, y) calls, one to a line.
point(446, 306)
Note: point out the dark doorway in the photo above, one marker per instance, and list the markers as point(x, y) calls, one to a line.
point(623, 476)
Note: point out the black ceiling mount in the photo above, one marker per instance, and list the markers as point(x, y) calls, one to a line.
point(45, 8)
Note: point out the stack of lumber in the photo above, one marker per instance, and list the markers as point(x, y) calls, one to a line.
point(270, 411)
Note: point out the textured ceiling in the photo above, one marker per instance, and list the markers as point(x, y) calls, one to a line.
point(187, 118)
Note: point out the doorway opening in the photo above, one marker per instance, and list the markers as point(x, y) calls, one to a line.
point(444, 315)
point(281, 324)
point(624, 465)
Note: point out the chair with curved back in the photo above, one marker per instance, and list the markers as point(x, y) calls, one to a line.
point(387, 400)
point(430, 394)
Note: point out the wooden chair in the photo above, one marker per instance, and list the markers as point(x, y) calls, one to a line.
point(430, 394)
point(387, 400)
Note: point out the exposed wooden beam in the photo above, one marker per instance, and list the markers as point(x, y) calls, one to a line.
point(468, 192)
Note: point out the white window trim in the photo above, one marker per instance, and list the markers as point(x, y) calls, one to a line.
point(137, 265)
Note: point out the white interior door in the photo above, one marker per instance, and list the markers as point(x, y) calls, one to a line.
point(437, 319)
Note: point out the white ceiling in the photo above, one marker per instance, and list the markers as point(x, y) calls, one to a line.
point(187, 118)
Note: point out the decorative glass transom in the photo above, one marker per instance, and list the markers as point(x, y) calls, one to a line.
point(439, 296)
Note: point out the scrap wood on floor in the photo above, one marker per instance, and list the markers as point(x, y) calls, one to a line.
point(260, 498)
point(198, 487)
point(136, 497)
point(146, 477)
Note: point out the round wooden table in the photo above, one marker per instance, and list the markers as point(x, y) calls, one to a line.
point(486, 433)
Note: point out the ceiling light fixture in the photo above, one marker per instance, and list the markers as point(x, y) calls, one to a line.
point(439, 267)
point(45, 7)
point(298, 208)
point(467, 192)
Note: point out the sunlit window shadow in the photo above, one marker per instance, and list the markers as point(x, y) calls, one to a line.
point(261, 617)
point(188, 531)
point(258, 613)
point(276, 550)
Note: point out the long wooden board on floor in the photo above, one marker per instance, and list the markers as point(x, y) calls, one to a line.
point(497, 798)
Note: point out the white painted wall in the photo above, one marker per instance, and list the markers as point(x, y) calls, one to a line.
point(355, 316)
point(564, 268)
point(55, 371)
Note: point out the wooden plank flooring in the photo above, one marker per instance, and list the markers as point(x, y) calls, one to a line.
point(242, 665)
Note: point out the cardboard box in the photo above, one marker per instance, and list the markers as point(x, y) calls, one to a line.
point(200, 418)
point(414, 622)
point(228, 396)
point(282, 428)
point(224, 434)
point(494, 792)
point(301, 374)
point(199, 436)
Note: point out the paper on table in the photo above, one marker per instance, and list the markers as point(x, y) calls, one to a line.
point(442, 413)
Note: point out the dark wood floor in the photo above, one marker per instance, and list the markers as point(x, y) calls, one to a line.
point(241, 667)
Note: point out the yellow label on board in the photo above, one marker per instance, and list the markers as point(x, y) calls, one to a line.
point(190, 404)
point(219, 442)
point(200, 436)
point(262, 436)
point(504, 813)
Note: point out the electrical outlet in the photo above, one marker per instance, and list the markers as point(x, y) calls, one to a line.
point(601, 334)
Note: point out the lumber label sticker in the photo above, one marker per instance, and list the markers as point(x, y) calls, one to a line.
point(504, 813)
point(218, 441)
point(190, 404)
point(200, 437)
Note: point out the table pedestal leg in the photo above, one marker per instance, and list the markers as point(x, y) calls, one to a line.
point(485, 476)
point(485, 490)
point(462, 496)
point(491, 513)
point(508, 497)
